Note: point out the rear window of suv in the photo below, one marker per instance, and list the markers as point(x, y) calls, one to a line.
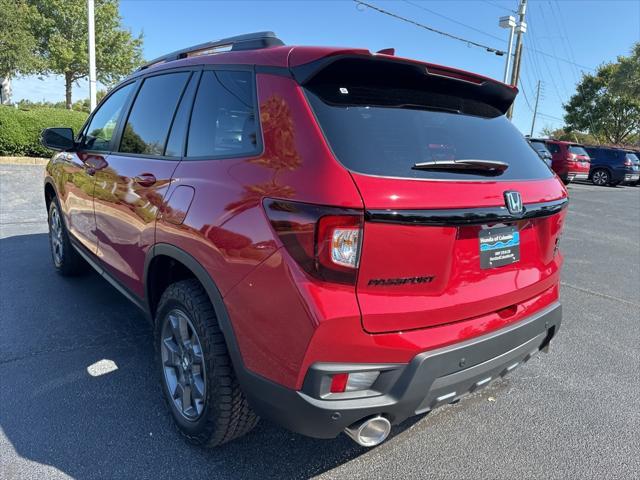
point(539, 147)
point(382, 118)
point(578, 150)
point(388, 141)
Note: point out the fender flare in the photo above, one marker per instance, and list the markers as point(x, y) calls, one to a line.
point(201, 274)
point(48, 181)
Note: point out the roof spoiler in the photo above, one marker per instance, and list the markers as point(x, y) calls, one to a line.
point(393, 72)
point(248, 41)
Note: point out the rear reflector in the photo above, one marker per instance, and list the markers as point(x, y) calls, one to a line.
point(354, 381)
point(339, 382)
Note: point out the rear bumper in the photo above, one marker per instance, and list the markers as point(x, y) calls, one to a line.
point(429, 380)
point(577, 176)
point(631, 177)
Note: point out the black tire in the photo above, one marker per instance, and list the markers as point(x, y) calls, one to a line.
point(225, 413)
point(66, 260)
point(601, 177)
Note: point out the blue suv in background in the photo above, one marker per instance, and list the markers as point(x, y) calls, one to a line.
point(612, 166)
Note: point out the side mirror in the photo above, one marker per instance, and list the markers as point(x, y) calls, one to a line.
point(57, 138)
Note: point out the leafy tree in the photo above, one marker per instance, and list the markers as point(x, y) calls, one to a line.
point(63, 41)
point(18, 44)
point(569, 136)
point(78, 106)
point(605, 104)
point(626, 81)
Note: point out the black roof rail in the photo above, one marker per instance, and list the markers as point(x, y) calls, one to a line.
point(248, 41)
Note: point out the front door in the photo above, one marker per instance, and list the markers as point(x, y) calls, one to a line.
point(81, 166)
point(130, 191)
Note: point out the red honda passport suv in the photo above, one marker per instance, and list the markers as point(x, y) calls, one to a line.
point(330, 238)
point(569, 160)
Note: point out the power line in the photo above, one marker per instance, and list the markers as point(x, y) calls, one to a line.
point(433, 12)
point(468, 42)
point(563, 60)
point(546, 26)
point(431, 29)
point(499, 6)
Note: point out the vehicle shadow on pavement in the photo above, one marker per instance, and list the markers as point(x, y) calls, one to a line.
point(79, 390)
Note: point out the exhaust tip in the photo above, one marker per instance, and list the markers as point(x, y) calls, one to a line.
point(370, 431)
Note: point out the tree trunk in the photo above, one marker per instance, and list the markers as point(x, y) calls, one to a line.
point(5, 90)
point(68, 84)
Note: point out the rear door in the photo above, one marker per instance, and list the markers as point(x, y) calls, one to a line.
point(130, 190)
point(441, 243)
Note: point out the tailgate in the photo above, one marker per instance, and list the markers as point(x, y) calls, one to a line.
point(433, 157)
point(422, 267)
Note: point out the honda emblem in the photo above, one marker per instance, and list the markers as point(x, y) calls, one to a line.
point(513, 201)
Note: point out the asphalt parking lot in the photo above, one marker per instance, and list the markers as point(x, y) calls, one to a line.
point(65, 412)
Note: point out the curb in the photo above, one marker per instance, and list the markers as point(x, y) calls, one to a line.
point(23, 161)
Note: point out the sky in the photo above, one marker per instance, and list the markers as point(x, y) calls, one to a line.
point(564, 37)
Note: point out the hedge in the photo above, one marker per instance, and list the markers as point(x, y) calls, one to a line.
point(20, 129)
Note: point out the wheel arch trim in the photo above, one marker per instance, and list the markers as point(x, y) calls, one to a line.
point(201, 274)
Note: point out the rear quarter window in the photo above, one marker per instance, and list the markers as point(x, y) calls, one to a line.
point(223, 121)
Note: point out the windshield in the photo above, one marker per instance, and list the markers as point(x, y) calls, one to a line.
point(633, 157)
point(389, 141)
point(578, 150)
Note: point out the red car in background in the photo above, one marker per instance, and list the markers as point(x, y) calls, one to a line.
point(569, 160)
point(329, 238)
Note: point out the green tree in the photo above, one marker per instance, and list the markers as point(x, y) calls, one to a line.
point(569, 136)
point(626, 81)
point(604, 108)
point(63, 41)
point(18, 44)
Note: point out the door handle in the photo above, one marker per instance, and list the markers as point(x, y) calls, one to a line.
point(145, 179)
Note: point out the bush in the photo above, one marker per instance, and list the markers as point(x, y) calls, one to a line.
point(20, 129)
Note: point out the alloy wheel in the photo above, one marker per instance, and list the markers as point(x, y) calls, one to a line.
point(600, 177)
point(183, 364)
point(55, 236)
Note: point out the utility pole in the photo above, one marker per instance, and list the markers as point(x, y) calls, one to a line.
point(509, 22)
point(92, 54)
point(520, 29)
point(535, 110)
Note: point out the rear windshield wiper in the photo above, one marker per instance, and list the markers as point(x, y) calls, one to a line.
point(482, 167)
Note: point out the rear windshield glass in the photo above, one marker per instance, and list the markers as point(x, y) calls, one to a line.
point(633, 157)
point(388, 140)
point(540, 147)
point(577, 150)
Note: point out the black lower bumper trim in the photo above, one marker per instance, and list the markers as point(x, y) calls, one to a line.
point(430, 380)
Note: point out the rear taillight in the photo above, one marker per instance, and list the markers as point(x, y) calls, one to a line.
point(324, 241)
point(628, 163)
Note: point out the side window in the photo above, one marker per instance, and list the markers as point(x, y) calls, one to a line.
point(103, 123)
point(175, 143)
point(223, 121)
point(148, 124)
point(553, 148)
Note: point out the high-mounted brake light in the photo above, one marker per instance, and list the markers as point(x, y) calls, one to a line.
point(324, 241)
